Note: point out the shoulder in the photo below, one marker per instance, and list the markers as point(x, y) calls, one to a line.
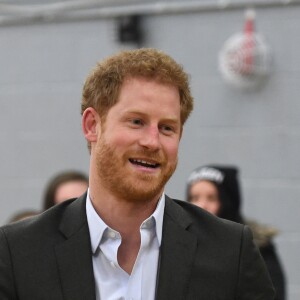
point(42, 227)
point(198, 215)
point(226, 247)
point(202, 222)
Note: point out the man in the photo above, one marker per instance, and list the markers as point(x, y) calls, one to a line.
point(125, 239)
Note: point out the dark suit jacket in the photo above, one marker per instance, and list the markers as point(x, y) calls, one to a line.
point(49, 257)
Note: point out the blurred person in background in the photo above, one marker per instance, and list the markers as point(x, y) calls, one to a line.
point(215, 188)
point(22, 215)
point(63, 186)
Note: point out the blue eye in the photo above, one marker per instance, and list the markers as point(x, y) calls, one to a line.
point(167, 130)
point(136, 121)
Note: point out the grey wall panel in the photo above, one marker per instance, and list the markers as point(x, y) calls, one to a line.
point(43, 67)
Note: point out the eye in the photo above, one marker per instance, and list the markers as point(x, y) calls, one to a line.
point(136, 122)
point(167, 129)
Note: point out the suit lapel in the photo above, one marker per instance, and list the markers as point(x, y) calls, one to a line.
point(177, 253)
point(74, 255)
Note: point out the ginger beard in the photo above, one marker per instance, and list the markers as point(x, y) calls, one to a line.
point(125, 182)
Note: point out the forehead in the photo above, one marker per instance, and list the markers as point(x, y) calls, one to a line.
point(203, 185)
point(133, 82)
point(141, 91)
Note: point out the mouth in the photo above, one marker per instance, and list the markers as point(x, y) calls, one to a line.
point(144, 163)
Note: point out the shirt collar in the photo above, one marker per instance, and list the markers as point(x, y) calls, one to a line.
point(158, 216)
point(97, 226)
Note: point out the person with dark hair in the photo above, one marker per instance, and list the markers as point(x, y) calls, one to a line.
point(64, 186)
point(125, 238)
point(216, 189)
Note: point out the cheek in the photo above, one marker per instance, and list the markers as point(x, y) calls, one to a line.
point(171, 149)
point(118, 140)
point(215, 207)
point(197, 202)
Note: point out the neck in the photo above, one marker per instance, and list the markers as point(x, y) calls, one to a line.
point(121, 215)
point(126, 218)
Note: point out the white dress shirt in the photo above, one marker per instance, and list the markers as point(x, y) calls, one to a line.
point(111, 281)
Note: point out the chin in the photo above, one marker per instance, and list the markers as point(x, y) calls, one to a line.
point(142, 193)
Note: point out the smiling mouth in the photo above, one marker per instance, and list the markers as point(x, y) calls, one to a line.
point(144, 163)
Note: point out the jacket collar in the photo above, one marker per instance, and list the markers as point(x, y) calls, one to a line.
point(177, 253)
point(74, 255)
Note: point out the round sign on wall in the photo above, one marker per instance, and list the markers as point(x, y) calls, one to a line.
point(245, 59)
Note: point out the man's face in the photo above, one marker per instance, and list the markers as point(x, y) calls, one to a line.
point(137, 150)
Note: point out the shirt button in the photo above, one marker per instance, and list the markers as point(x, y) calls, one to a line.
point(112, 234)
point(113, 264)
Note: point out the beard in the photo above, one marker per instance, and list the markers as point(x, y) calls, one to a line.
point(128, 184)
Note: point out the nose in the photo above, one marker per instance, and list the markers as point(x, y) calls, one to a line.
point(150, 138)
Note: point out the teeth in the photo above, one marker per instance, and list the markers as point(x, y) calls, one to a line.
point(144, 162)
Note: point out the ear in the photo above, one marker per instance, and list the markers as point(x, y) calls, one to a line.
point(90, 124)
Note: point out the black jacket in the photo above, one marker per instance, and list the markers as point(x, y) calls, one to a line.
point(49, 257)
